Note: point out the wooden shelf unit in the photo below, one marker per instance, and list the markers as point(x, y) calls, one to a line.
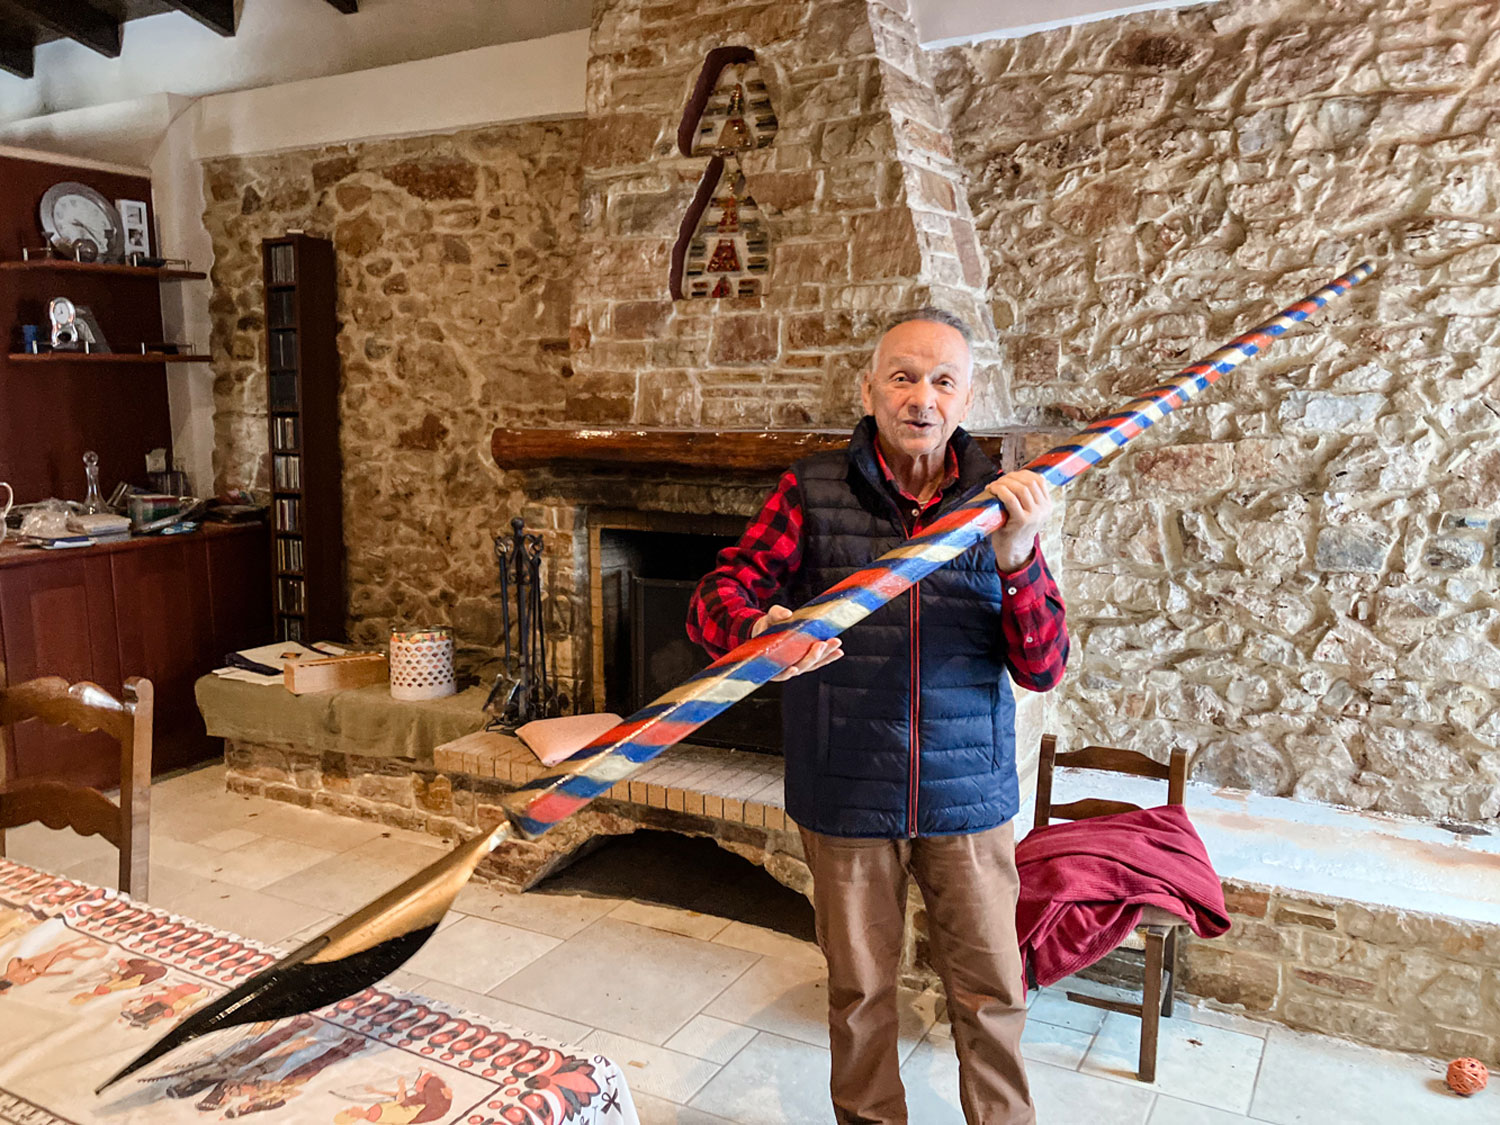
point(109, 269)
point(104, 357)
point(167, 608)
point(302, 392)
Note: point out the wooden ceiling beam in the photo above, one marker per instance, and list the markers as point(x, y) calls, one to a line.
point(77, 20)
point(17, 57)
point(216, 15)
point(348, 7)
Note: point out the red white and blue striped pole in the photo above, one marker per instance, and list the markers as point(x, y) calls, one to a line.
point(380, 936)
point(618, 752)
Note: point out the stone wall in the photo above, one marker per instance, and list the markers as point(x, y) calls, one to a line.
point(1296, 578)
point(455, 257)
point(1389, 978)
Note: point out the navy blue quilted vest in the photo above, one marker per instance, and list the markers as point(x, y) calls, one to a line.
point(912, 733)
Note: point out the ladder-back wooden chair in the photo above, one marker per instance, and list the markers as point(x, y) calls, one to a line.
point(57, 804)
point(1158, 929)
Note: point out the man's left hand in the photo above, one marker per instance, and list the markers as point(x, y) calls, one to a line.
point(1028, 503)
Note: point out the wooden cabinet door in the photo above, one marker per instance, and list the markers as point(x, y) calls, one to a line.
point(59, 621)
point(164, 620)
point(239, 579)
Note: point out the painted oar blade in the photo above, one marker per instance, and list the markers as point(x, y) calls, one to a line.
point(288, 988)
point(348, 957)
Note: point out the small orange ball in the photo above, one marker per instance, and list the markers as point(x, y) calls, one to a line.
point(1467, 1076)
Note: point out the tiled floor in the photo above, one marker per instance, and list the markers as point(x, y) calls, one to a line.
point(715, 1019)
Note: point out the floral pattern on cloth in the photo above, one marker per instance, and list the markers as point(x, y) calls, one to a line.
point(89, 978)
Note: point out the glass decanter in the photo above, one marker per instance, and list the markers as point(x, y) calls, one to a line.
point(94, 501)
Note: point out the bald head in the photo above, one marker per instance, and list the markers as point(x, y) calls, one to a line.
point(919, 385)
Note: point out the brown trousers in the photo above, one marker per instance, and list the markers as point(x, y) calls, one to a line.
point(969, 884)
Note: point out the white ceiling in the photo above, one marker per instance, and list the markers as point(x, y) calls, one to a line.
point(277, 41)
point(282, 41)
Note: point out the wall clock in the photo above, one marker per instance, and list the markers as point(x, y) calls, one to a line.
point(73, 213)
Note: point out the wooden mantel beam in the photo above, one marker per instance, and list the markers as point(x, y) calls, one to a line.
point(705, 451)
point(16, 56)
point(216, 15)
point(78, 21)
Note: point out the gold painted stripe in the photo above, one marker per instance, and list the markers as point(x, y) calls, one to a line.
point(610, 767)
point(723, 689)
point(698, 689)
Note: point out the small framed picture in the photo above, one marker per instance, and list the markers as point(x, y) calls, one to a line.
point(133, 224)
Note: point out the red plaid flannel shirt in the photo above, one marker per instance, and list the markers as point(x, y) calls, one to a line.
point(731, 597)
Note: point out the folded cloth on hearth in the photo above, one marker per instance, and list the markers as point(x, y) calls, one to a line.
point(553, 740)
point(1084, 884)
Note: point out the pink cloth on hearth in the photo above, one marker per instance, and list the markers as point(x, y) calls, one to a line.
point(1084, 884)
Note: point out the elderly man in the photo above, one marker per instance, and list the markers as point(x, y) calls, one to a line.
point(900, 736)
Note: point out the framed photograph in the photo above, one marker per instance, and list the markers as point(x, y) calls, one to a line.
point(133, 224)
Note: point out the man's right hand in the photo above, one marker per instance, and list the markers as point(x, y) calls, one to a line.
point(818, 654)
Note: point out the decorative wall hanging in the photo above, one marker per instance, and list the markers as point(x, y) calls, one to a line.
point(730, 110)
point(723, 247)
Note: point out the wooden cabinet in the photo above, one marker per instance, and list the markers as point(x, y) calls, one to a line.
point(164, 628)
point(164, 608)
point(58, 621)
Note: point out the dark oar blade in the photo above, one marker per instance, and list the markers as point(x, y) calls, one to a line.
point(348, 957)
point(288, 988)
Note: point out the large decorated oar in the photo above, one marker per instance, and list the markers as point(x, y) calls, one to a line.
point(371, 943)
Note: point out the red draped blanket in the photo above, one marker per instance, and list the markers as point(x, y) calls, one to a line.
point(1084, 882)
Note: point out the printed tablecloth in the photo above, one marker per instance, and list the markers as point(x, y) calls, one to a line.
point(91, 977)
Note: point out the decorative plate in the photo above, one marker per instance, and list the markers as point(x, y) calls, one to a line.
point(73, 211)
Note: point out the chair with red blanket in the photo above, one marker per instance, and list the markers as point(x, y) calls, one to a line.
point(1157, 927)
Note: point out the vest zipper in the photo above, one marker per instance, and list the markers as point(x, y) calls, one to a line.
point(916, 695)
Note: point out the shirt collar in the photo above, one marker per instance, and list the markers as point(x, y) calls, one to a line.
point(950, 475)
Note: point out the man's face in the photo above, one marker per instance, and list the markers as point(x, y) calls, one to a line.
point(919, 386)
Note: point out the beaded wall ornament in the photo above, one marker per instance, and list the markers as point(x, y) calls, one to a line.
point(723, 247)
point(728, 253)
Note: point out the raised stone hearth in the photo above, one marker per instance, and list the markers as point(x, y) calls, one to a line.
point(1384, 975)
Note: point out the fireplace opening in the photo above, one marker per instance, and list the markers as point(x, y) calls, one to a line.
point(688, 873)
point(644, 581)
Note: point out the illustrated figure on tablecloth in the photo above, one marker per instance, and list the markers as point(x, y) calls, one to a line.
point(128, 973)
point(250, 1058)
point(23, 970)
point(264, 1070)
point(167, 1004)
point(427, 1099)
point(307, 1063)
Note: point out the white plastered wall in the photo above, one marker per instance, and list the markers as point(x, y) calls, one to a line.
point(944, 23)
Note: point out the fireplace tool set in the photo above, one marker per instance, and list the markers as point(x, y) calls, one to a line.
point(358, 951)
point(523, 690)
